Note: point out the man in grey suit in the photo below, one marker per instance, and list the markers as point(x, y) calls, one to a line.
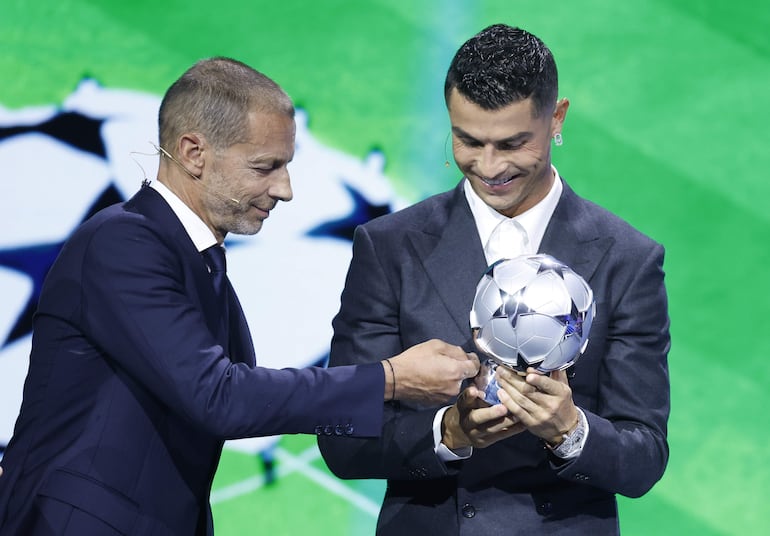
point(551, 457)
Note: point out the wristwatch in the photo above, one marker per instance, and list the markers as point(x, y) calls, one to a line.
point(573, 442)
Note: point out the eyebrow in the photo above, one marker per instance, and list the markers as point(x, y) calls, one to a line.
point(516, 137)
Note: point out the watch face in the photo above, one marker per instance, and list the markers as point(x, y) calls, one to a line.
point(571, 441)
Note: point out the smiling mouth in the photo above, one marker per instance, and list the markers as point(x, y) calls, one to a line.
point(498, 182)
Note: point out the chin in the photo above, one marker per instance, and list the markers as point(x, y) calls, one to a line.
point(246, 228)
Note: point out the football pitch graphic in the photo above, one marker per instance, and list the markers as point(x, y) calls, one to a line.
point(666, 128)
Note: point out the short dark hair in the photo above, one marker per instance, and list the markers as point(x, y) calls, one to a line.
point(213, 98)
point(501, 65)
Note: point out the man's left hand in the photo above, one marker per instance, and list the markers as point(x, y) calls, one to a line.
point(541, 403)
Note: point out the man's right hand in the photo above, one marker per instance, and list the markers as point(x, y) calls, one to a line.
point(430, 373)
point(472, 422)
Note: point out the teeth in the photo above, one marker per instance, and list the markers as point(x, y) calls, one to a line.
point(497, 182)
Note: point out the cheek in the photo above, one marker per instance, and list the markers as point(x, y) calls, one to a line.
point(463, 156)
point(537, 153)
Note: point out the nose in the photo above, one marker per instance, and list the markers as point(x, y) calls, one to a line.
point(280, 187)
point(491, 162)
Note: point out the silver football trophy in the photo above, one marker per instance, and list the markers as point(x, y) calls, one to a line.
point(529, 311)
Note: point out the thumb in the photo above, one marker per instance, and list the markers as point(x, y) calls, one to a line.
point(560, 376)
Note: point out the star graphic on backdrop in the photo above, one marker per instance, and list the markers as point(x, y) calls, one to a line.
point(71, 128)
point(362, 212)
point(36, 259)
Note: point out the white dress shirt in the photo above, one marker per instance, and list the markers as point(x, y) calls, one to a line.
point(198, 231)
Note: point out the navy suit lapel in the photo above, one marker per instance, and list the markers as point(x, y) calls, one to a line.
point(150, 203)
point(451, 252)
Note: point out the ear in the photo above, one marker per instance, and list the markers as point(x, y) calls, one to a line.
point(191, 153)
point(559, 114)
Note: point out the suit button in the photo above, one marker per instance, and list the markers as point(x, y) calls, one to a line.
point(545, 508)
point(328, 429)
point(339, 430)
point(468, 510)
point(319, 430)
point(349, 429)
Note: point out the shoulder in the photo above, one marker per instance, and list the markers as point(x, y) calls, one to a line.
point(141, 228)
point(594, 219)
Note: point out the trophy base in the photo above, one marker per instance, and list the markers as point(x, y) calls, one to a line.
point(486, 381)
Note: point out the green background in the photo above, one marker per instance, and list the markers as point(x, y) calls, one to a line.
point(666, 128)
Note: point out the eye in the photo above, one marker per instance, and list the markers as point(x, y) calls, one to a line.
point(470, 142)
point(267, 168)
point(511, 146)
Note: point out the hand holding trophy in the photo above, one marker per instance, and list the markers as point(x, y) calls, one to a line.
point(529, 311)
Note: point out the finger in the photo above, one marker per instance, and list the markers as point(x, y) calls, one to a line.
point(465, 400)
point(474, 359)
point(470, 398)
point(453, 351)
point(560, 376)
point(511, 376)
point(556, 384)
point(486, 416)
point(514, 381)
point(482, 440)
point(467, 368)
point(518, 404)
point(502, 424)
point(542, 382)
point(506, 431)
point(476, 395)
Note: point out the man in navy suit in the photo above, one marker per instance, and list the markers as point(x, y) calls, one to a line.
point(142, 363)
point(551, 457)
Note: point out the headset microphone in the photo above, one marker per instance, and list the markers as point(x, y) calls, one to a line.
point(197, 179)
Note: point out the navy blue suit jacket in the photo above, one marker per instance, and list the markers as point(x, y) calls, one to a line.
point(130, 392)
point(413, 277)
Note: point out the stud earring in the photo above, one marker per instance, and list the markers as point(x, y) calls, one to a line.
point(557, 139)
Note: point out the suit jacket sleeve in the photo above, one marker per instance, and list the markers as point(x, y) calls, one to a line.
point(626, 451)
point(143, 309)
point(367, 326)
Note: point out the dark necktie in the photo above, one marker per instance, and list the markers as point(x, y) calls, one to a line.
point(215, 260)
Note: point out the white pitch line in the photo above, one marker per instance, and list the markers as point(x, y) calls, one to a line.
point(290, 463)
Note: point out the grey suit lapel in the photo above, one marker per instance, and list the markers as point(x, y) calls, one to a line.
point(451, 253)
point(573, 237)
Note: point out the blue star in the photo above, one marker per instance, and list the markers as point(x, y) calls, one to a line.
point(343, 228)
point(35, 260)
point(73, 128)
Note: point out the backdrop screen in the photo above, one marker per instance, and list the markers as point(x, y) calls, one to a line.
point(666, 128)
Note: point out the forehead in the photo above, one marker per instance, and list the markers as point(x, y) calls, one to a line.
point(496, 124)
point(268, 135)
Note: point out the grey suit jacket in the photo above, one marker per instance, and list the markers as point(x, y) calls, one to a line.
point(413, 277)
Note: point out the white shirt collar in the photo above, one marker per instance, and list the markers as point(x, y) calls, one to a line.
point(535, 220)
point(198, 231)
